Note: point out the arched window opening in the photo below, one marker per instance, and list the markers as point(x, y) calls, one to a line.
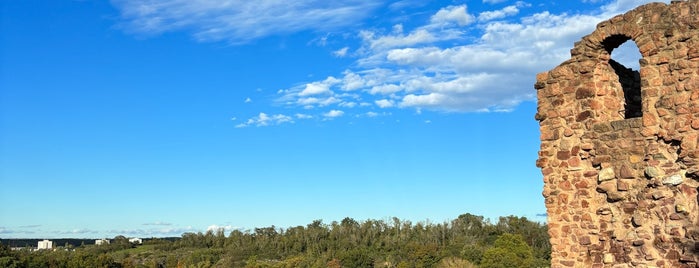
point(625, 58)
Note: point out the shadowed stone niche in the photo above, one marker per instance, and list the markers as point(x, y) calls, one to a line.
point(619, 148)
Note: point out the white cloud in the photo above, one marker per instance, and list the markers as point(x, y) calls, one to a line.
point(224, 228)
point(453, 14)
point(452, 62)
point(153, 232)
point(426, 100)
point(352, 81)
point(158, 223)
point(498, 14)
point(303, 116)
point(248, 100)
point(320, 87)
point(348, 104)
point(493, 1)
point(315, 89)
point(7, 231)
point(311, 102)
point(385, 89)
point(341, 52)
point(240, 21)
point(384, 103)
point(399, 5)
point(419, 36)
point(263, 120)
point(334, 113)
point(79, 231)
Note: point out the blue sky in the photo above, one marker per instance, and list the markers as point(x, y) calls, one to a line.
point(158, 117)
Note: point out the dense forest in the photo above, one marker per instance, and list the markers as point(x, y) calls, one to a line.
point(468, 241)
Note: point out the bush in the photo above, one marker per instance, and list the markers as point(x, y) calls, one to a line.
point(509, 251)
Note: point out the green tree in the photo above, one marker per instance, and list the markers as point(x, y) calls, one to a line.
point(472, 253)
point(357, 257)
point(510, 250)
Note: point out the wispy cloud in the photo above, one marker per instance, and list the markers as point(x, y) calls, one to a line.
point(453, 14)
point(493, 1)
point(240, 21)
point(334, 113)
point(502, 13)
point(26, 229)
point(78, 232)
point(263, 120)
point(5, 230)
point(224, 228)
point(384, 103)
point(153, 232)
point(341, 52)
point(303, 116)
point(157, 223)
point(453, 61)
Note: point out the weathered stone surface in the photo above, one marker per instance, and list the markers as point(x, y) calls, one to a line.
point(652, 172)
point(585, 240)
point(604, 127)
point(680, 209)
point(606, 186)
point(625, 172)
point(673, 180)
point(637, 220)
point(606, 174)
point(615, 196)
point(608, 258)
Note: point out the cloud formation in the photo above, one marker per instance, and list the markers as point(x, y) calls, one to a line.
point(456, 61)
point(238, 21)
point(157, 223)
point(334, 113)
point(153, 232)
point(263, 120)
point(225, 228)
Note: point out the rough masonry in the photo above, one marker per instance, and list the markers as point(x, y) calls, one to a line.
point(619, 148)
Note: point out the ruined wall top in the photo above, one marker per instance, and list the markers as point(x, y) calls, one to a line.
point(652, 27)
point(619, 149)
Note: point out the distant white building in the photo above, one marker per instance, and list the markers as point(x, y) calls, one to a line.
point(102, 242)
point(136, 240)
point(45, 244)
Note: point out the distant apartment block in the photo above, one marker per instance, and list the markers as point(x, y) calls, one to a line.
point(45, 244)
point(102, 242)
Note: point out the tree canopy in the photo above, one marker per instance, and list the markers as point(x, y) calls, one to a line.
point(467, 241)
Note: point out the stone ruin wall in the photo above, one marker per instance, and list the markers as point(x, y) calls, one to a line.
point(619, 149)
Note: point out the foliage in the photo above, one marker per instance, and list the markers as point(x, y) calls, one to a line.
point(454, 262)
point(468, 241)
point(509, 250)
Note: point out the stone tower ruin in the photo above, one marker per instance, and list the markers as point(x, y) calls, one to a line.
point(619, 149)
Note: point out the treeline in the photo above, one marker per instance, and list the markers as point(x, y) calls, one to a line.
point(468, 241)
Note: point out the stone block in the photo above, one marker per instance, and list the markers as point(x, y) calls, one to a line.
point(606, 174)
